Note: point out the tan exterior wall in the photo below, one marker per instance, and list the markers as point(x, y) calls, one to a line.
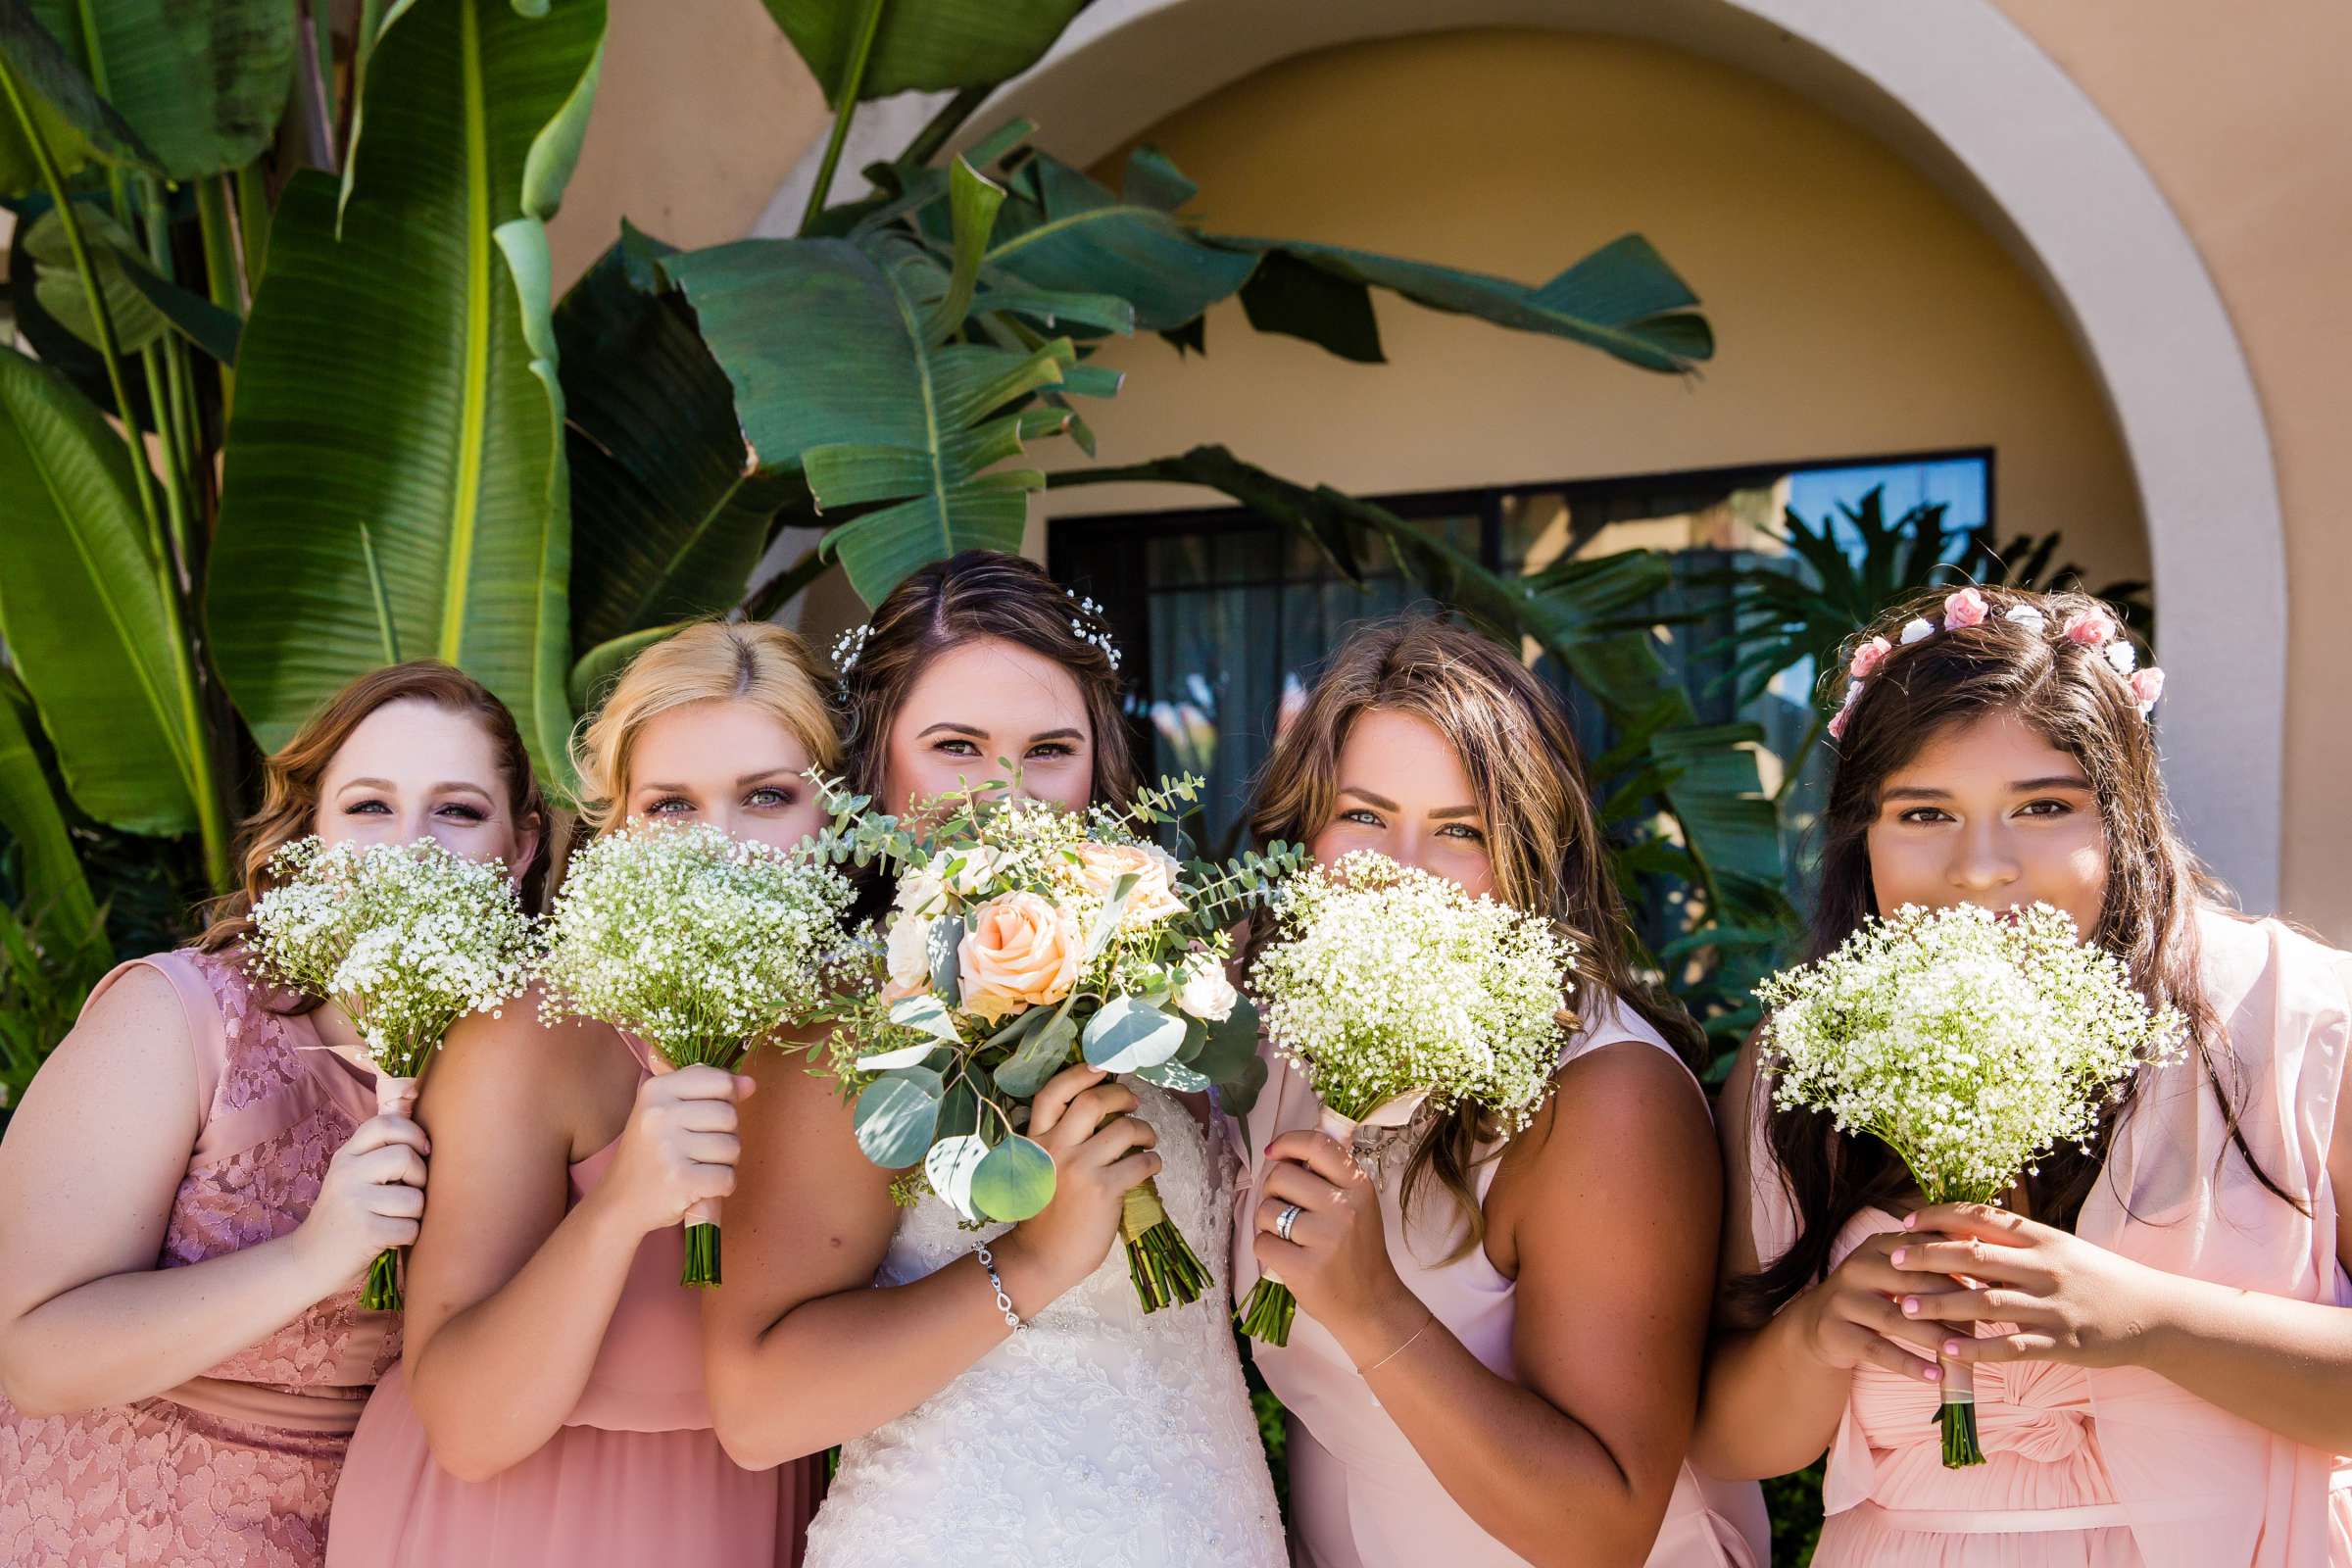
point(2240, 115)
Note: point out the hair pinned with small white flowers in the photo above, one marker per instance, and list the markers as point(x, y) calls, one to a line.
point(847, 647)
point(1096, 636)
point(2088, 628)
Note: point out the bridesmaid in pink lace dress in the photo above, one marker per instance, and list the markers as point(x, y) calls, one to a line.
point(1496, 1350)
point(552, 1409)
point(2156, 1326)
point(194, 1186)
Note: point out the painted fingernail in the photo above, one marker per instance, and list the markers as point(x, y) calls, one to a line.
point(1952, 1346)
point(1910, 1306)
point(1896, 1256)
point(1934, 1374)
point(1910, 1222)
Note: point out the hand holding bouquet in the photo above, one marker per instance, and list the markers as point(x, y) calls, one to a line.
point(1969, 1043)
point(1389, 989)
point(1026, 938)
point(406, 939)
point(698, 944)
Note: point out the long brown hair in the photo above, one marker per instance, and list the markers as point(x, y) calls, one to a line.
point(293, 777)
point(2070, 696)
point(980, 593)
point(1544, 838)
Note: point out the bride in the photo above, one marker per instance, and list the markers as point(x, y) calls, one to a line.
point(1000, 1394)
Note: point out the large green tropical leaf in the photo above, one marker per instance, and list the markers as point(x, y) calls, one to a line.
point(83, 609)
point(923, 45)
point(403, 376)
point(668, 515)
point(76, 123)
point(200, 82)
point(54, 885)
point(842, 357)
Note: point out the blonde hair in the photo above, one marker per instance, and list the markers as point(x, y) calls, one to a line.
point(752, 662)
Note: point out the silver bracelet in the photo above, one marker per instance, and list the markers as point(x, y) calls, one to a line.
point(988, 1261)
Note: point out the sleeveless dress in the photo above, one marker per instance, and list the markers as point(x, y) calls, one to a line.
point(634, 1477)
point(233, 1469)
point(2114, 1466)
point(1098, 1435)
point(1361, 1496)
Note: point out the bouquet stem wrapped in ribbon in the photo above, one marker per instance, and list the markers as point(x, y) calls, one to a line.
point(406, 939)
point(699, 945)
point(1389, 989)
point(1024, 939)
point(1969, 1043)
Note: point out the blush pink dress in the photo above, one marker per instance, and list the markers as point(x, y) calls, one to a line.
point(2109, 1467)
point(1361, 1496)
point(634, 1477)
point(233, 1469)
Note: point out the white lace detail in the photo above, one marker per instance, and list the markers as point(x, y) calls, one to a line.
point(1099, 1434)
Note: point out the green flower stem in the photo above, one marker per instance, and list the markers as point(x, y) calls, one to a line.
point(702, 1256)
point(383, 1283)
point(1268, 1312)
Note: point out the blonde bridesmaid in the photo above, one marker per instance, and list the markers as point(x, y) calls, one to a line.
point(550, 1407)
point(193, 1188)
point(1497, 1354)
point(2156, 1326)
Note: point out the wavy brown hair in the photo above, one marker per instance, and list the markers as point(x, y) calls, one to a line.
point(1544, 840)
point(293, 774)
point(980, 593)
point(2076, 701)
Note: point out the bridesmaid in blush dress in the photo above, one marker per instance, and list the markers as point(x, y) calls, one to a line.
point(1496, 1349)
point(2161, 1356)
point(552, 1406)
point(194, 1186)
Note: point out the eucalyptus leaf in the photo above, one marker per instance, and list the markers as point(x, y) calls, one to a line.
point(929, 1015)
point(959, 1113)
point(1015, 1182)
point(1231, 1045)
point(943, 945)
point(1175, 1077)
point(1128, 1035)
point(914, 1055)
point(895, 1115)
point(950, 1166)
point(1041, 1055)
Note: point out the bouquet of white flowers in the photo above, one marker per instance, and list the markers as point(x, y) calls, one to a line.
point(699, 945)
point(406, 939)
point(1026, 938)
point(1389, 989)
point(1969, 1043)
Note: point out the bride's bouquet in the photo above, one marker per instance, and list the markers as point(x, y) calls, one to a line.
point(1969, 1043)
point(1024, 939)
point(406, 939)
point(1389, 989)
point(700, 945)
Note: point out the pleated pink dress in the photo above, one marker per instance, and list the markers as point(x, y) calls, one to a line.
point(1361, 1496)
point(634, 1477)
point(2117, 1467)
point(233, 1469)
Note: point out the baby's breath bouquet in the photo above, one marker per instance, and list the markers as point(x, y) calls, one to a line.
point(700, 945)
point(1023, 939)
point(1969, 1043)
point(1389, 989)
point(406, 939)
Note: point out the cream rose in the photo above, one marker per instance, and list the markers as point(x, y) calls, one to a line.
point(1021, 952)
point(908, 955)
point(1205, 993)
point(1153, 899)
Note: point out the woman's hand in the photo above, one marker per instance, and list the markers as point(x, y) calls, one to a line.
point(1337, 1260)
point(371, 1198)
point(678, 1148)
point(1869, 1309)
point(2072, 1300)
point(1101, 1150)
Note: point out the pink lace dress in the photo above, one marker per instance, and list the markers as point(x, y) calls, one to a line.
point(233, 1469)
point(2115, 1467)
point(635, 1476)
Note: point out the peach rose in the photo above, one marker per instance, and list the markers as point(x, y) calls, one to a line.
point(1966, 608)
point(1869, 657)
point(1100, 865)
point(1021, 952)
point(2090, 627)
point(2148, 685)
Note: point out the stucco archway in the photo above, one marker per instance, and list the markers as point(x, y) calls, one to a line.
point(1956, 89)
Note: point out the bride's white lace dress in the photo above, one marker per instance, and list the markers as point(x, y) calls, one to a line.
point(1099, 1434)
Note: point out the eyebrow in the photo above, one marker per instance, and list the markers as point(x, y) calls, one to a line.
point(390, 788)
point(1064, 734)
point(2023, 786)
point(741, 781)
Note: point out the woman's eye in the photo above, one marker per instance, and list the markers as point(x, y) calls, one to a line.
point(768, 797)
point(669, 805)
point(2045, 809)
point(465, 813)
point(956, 747)
point(1463, 830)
point(1361, 817)
point(1924, 813)
point(1054, 749)
point(367, 808)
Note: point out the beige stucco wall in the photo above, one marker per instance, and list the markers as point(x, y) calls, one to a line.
point(2240, 115)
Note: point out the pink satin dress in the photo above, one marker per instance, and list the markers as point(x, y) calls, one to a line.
point(1361, 1496)
point(233, 1469)
point(634, 1477)
point(2109, 1467)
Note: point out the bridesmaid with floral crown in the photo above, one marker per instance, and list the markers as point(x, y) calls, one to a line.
point(199, 1177)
